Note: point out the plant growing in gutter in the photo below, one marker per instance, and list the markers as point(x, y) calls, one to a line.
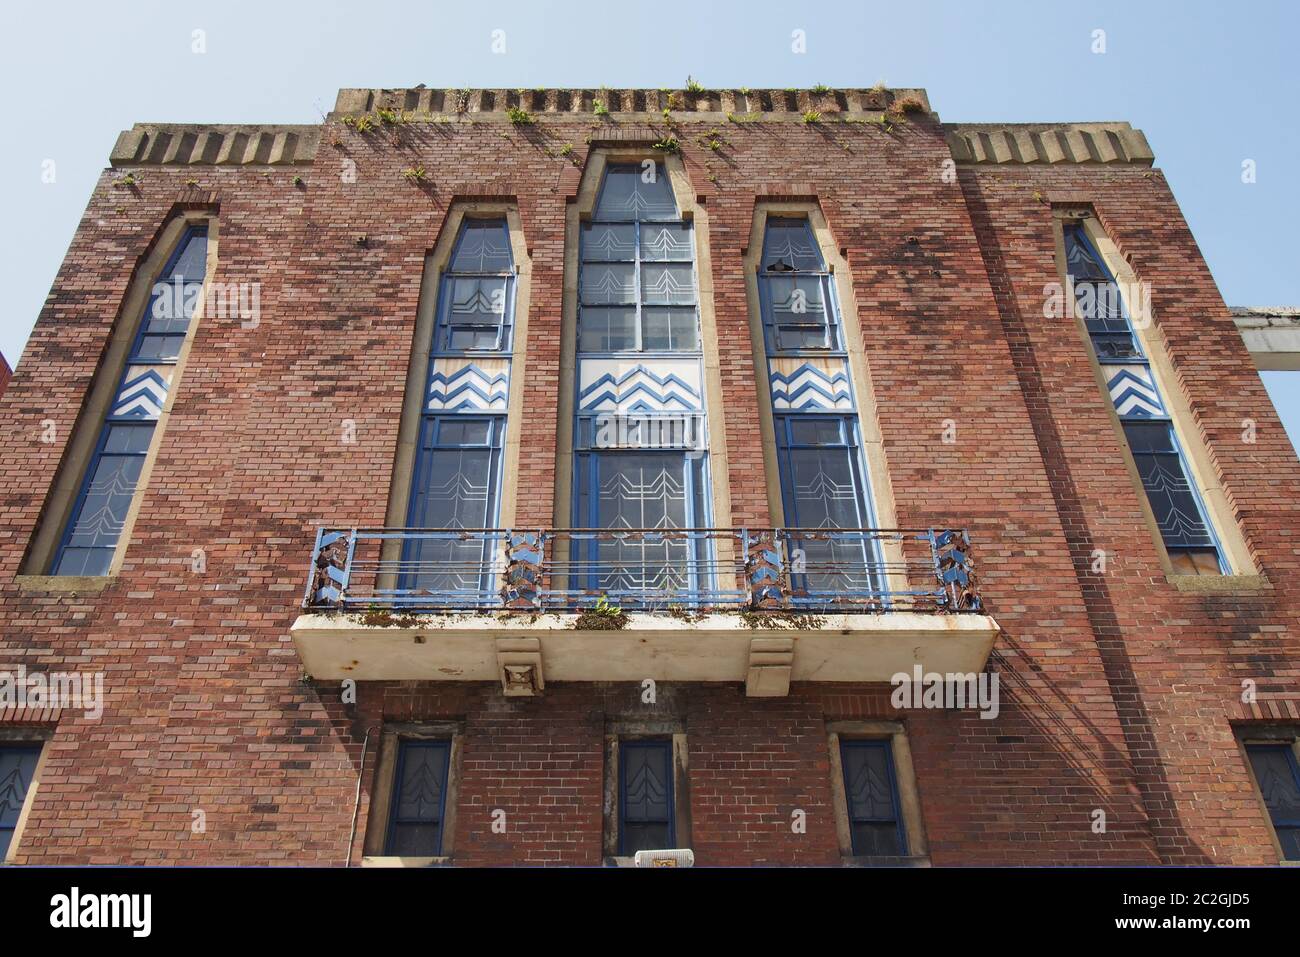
point(812, 116)
point(602, 616)
point(599, 108)
point(821, 88)
point(520, 117)
point(693, 85)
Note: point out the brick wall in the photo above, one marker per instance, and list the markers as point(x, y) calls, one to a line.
point(1117, 691)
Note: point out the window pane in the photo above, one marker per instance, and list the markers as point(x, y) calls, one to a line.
point(1278, 778)
point(416, 840)
point(17, 767)
point(454, 488)
point(646, 808)
point(84, 561)
point(789, 244)
point(133, 439)
point(642, 490)
point(609, 242)
point(107, 499)
point(817, 431)
point(668, 284)
point(669, 241)
point(875, 840)
point(608, 284)
point(419, 798)
point(869, 794)
point(1172, 499)
point(151, 347)
point(607, 329)
point(641, 836)
point(484, 246)
point(1274, 767)
point(666, 328)
point(636, 192)
point(191, 264)
point(477, 301)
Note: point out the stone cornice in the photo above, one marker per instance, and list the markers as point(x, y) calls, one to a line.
point(182, 144)
point(545, 102)
point(994, 144)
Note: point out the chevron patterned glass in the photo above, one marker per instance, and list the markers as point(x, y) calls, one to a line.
point(1179, 512)
point(91, 536)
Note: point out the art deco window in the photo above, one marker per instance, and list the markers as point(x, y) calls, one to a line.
point(1181, 516)
point(871, 795)
point(1278, 776)
point(646, 804)
point(639, 449)
point(456, 481)
point(823, 478)
point(94, 528)
point(17, 769)
point(419, 801)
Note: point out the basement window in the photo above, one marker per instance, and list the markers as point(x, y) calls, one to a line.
point(18, 763)
point(419, 799)
point(1277, 773)
point(871, 795)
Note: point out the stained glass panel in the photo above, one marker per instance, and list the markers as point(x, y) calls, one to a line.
point(871, 796)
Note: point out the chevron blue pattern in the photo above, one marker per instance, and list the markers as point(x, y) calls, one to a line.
point(143, 393)
point(1133, 391)
point(465, 385)
point(664, 385)
point(810, 384)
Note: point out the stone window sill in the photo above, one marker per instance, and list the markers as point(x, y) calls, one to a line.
point(63, 584)
point(1220, 584)
point(380, 861)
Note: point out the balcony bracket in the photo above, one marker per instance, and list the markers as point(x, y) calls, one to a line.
point(519, 661)
point(771, 661)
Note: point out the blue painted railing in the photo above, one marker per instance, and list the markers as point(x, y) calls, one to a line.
point(858, 570)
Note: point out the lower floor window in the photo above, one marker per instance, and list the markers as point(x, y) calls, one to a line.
point(1278, 777)
point(17, 769)
point(646, 819)
point(456, 486)
point(419, 799)
point(641, 491)
point(871, 793)
point(99, 515)
point(823, 486)
point(1175, 503)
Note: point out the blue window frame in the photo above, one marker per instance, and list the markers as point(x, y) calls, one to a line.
point(1180, 513)
point(477, 291)
point(639, 339)
point(871, 793)
point(95, 525)
point(1278, 777)
point(17, 768)
point(824, 483)
point(456, 480)
point(646, 814)
point(419, 803)
point(456, 486)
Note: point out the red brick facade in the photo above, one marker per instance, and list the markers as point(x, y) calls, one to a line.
point(1120, 691)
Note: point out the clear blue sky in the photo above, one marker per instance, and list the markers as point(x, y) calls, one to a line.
point(1211, 84)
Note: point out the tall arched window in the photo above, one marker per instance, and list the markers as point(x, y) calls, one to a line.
point(94, 528)
point(1180, 514)
point(456, 483)
point(818, 439)
point(640, 459)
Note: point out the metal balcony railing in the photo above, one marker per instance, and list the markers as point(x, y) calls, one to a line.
point(859, 570)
